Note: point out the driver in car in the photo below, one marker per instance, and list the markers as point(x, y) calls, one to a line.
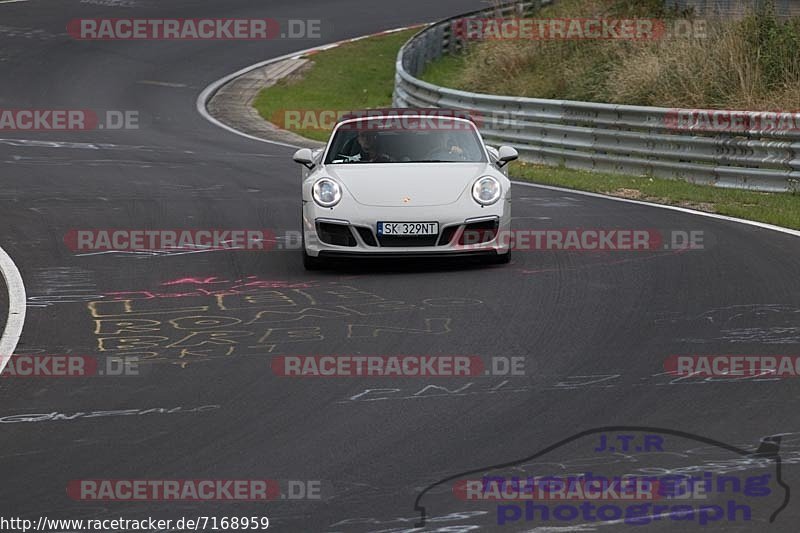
point(446, 148)
point(368, 144)
point(368, 148)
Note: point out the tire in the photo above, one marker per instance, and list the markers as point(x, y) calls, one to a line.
point(309, 262)
point(501, 259)
point(312, 263)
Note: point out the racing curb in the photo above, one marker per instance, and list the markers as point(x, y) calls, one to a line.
point(233, 103)
point(229, 102)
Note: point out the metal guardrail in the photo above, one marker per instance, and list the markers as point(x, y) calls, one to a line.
point(602, 137)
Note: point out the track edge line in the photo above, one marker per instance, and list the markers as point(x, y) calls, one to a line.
point(762, 225)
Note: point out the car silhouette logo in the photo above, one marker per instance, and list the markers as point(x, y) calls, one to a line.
point(766, 455)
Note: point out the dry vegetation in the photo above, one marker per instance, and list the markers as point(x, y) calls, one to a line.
point(748, 63)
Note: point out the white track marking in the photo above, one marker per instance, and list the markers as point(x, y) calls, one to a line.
point(11, 1)
point(16, 308)
point(162, 84)
point(762, 225)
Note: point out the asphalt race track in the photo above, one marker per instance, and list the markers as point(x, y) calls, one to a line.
point(594, 329)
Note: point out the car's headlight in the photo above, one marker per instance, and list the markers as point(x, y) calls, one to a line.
point(486, 190)
point(326, 192)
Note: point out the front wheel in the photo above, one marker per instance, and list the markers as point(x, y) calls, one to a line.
point(501, 259)
point(310, 262)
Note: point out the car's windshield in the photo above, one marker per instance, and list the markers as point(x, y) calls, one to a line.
point(371, 141)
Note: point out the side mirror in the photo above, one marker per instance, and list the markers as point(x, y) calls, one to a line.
point(506, 154)
point(304, 157)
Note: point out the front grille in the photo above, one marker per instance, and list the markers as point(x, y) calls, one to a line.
point(336, 234)
point(479, 232)
point(397, 241)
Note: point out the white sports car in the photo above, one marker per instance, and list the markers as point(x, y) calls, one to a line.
point(418, 183)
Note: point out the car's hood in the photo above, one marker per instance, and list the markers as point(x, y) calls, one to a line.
point(406, 184)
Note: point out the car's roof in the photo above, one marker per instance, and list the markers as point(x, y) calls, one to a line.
point(377, 114)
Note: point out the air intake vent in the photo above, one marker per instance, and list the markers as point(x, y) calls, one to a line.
point(336, 234)
point(447, 235)
point(367, 236)
point(479, 232)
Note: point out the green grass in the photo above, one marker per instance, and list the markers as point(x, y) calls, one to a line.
point(361, 75)
point(445, 70)
point(357, 75)
point(781, 209)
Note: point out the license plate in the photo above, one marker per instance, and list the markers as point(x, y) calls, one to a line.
point(408, 228)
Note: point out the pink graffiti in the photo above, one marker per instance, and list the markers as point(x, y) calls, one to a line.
point(248, 282)
point(194, 281)
point(217, 287)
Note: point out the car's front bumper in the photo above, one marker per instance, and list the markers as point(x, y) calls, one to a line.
point(340, 254)
point(476, 234)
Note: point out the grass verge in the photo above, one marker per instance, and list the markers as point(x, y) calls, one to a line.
point(358, 75)
point(361, 75)
point(781, 209)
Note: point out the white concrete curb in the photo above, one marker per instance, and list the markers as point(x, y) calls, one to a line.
point(208, 93)
point(16, 308)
